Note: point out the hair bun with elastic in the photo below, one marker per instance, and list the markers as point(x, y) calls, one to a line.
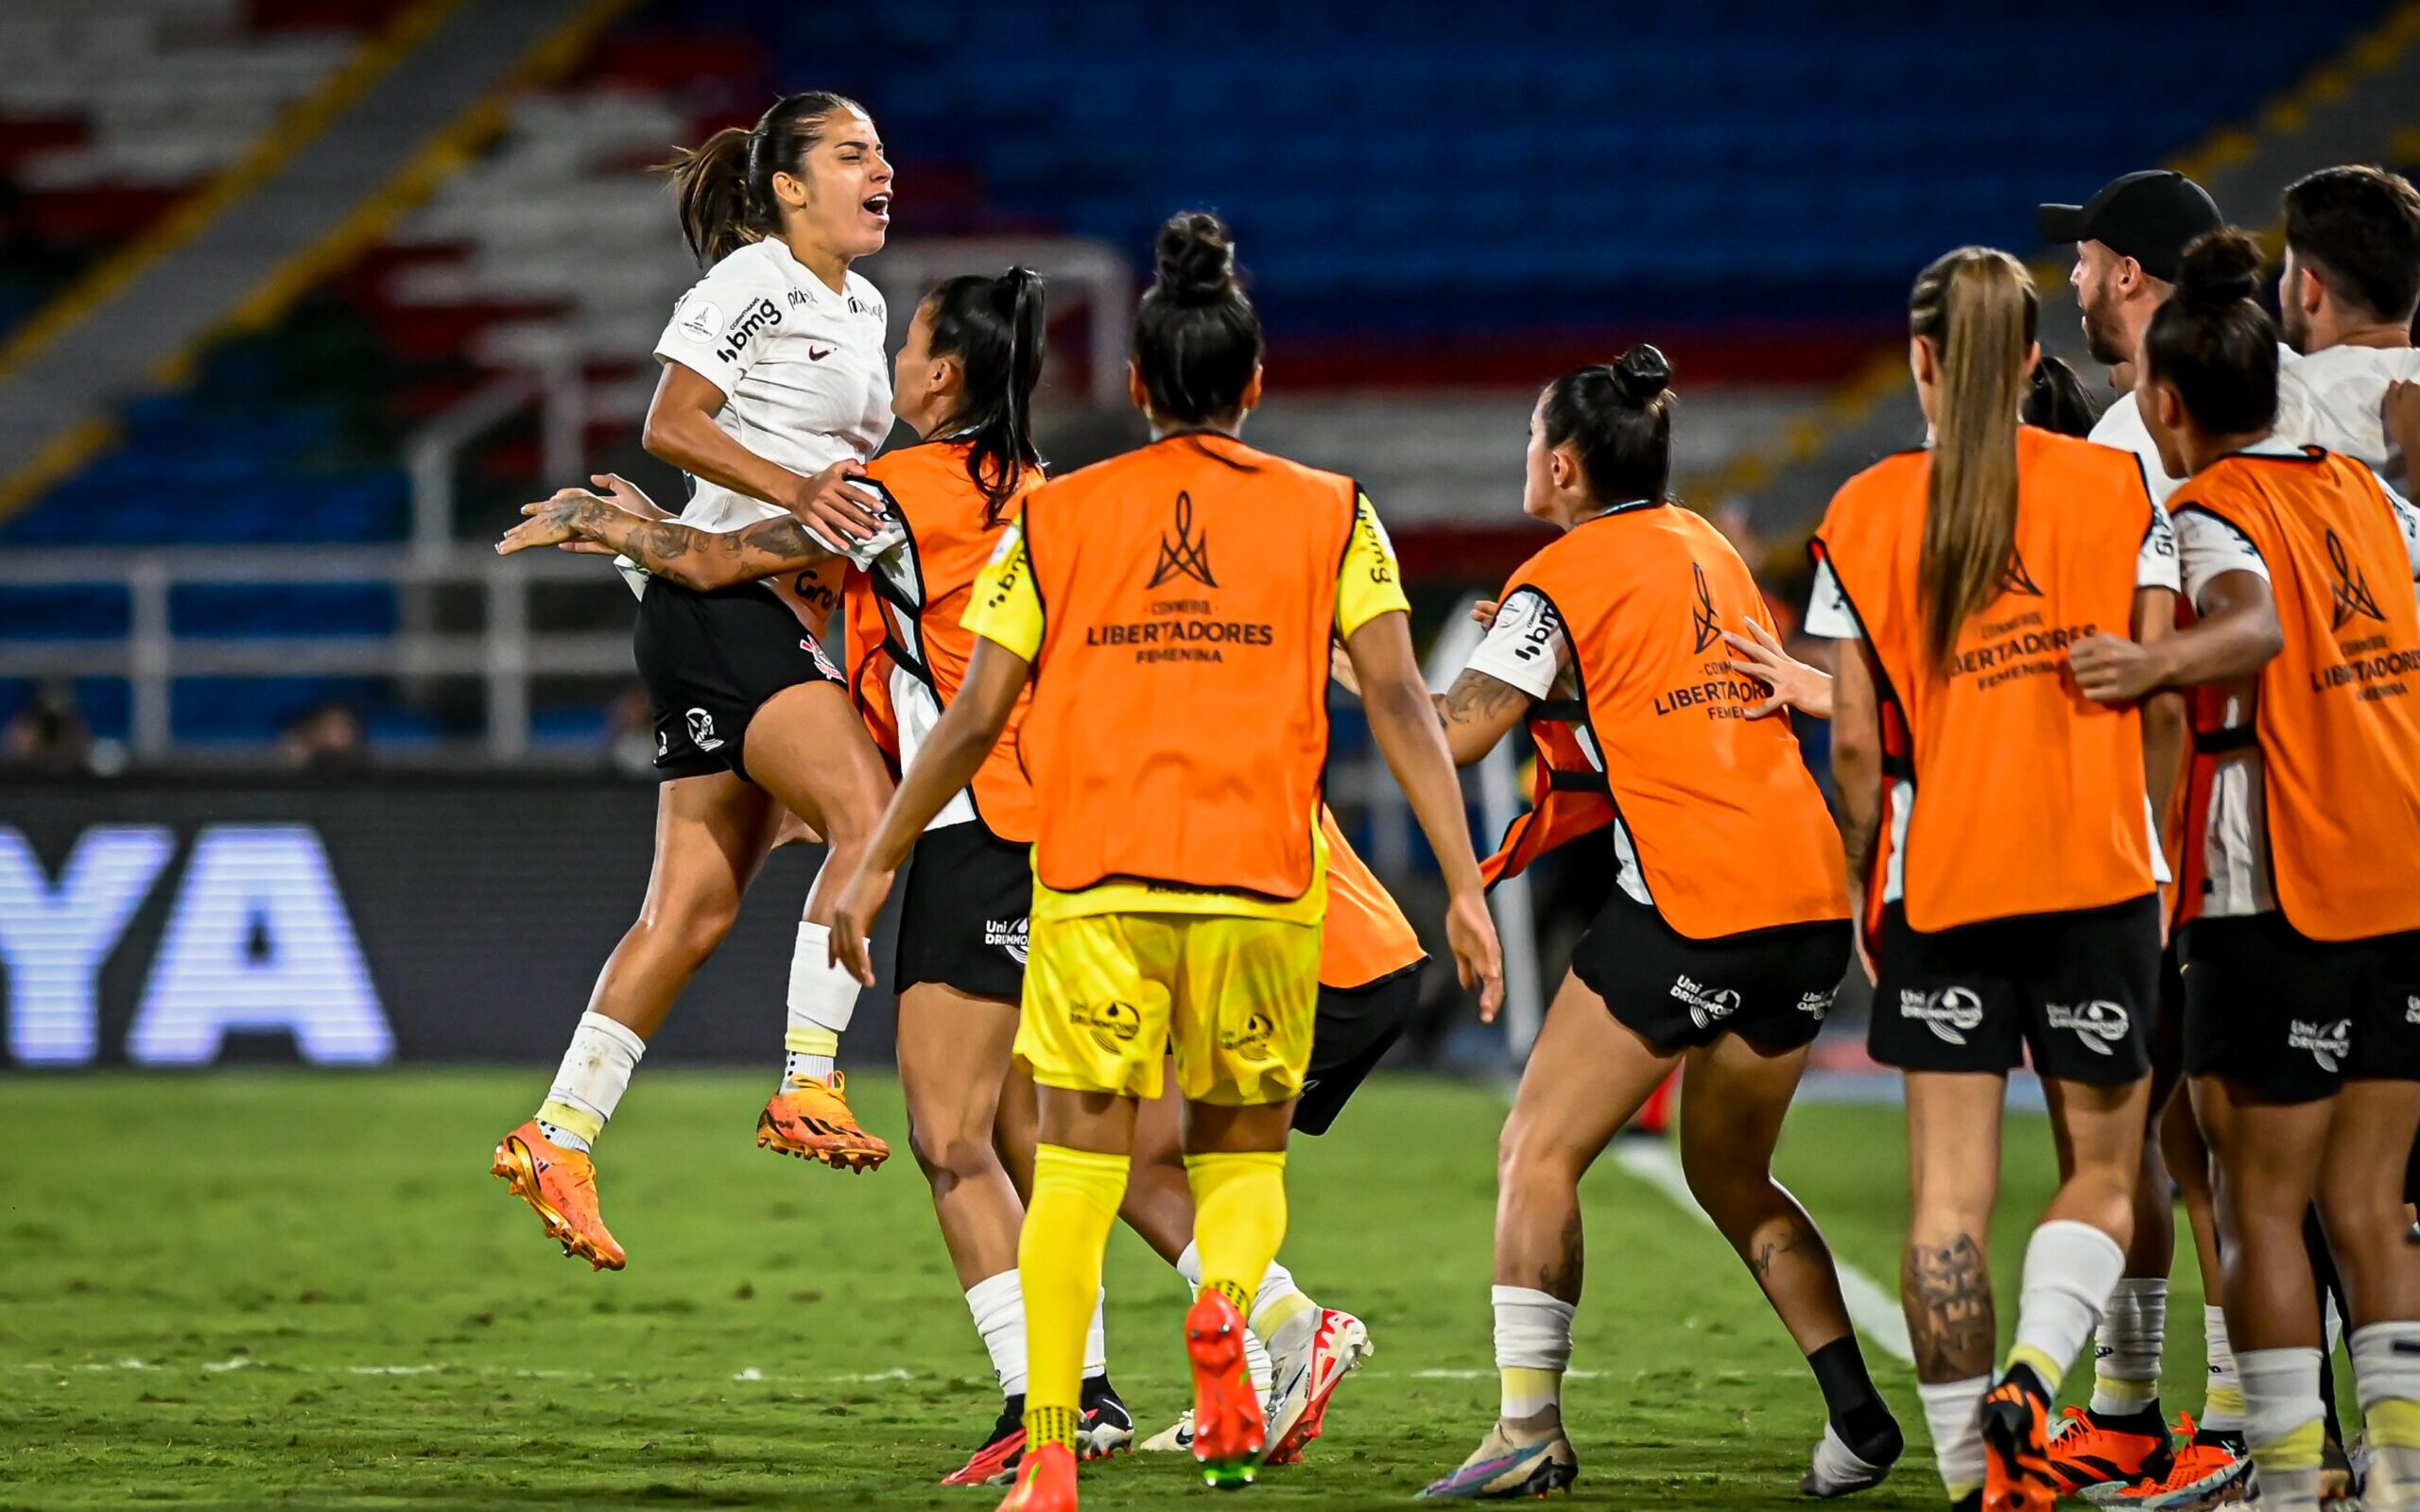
point(1196, 256)
point(1641, 373)
point(2218, 269)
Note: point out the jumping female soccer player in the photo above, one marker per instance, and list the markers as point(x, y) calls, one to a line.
point(1725, 940)
point(2302, 885)
point(2002, 825)
point(773, 391)
point(1172, 610)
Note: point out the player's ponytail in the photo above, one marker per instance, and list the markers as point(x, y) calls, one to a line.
point(1978, 309)
point(1617, 418)
point(724, 185)
point(994, 327)
point(1197, 337)
point(2212, 343)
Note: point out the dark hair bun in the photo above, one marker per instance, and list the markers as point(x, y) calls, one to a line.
point(1196, 259)
point(1641, 373)
point(2218, 269)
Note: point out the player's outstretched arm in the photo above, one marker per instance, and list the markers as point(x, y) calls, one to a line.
point(702, 559)
point(947, 761)
point(1404, 723)
point(2234, 635)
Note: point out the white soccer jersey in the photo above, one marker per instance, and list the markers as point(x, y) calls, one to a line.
point(2337, 398)
point(805, 376)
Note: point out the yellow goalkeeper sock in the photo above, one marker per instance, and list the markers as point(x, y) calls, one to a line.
point(1076, 1194)
point(1239, 1219)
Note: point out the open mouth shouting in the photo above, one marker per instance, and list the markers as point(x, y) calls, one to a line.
point(878, 206)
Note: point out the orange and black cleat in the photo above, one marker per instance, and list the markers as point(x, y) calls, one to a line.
point(560, 1185)
point(1229, 1435)
point(2017, 1476)
point(2089, 1450)
point(810, 1119)
point(1045, 1482)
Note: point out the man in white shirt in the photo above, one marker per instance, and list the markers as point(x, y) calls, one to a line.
point(2129, 239)
point(2345, 303)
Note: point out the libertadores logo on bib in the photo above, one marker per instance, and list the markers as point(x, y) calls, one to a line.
point(1187, 555)
point(2101, 1024)
point(1708, 1006)
point(1952, 1013)
point(2329, 1043)
point(2351, 597)
point(701, 730)
point(1013, 935)
point(1703, 622)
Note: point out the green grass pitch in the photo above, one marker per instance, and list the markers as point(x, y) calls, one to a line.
point(333, 1305)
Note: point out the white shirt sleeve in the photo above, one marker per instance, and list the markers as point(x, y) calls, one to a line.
point(1829, 615)
point(1526, 648)
point(2208, 547)
point(719, 328)
point(2155, 564)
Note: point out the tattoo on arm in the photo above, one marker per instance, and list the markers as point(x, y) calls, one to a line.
point(704, 559)
point(1477, 698)
point(1947, 1292)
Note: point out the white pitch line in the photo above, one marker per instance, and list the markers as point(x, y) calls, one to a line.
point(1873, 1310)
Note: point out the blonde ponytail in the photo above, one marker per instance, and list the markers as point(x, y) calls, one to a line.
point(1979, 309)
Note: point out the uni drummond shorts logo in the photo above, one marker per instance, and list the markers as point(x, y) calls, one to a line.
point(1952, 1013)
point(1708, 1006)
point(2328, 1043)
point(2411, 1008)
point(1013, 935)
point(1816, 1005)
point(2099, 1025)
point(1251, 1039)
point(1113, 1023)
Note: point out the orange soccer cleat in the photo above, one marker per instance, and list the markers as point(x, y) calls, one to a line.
point(811, 1119)
point(2016, 1451)
point(560, 1185)
point(1229, 1436)
point(1045, 1482)
point(2089, 1451)
point(2203, 1473)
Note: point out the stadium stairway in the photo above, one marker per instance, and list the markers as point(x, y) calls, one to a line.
point(113, 112)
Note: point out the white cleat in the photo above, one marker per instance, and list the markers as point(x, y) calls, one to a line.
point(1837, 1470)
point(1304, 1376)
point(1176, 1439)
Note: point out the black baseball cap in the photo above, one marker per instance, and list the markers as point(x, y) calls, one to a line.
point(2150, 216)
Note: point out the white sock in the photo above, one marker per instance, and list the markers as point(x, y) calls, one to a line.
point(2222, 1400)
point(1276, 1281)
point(2284, 1424)
point(2386, 1374)
point(588, 1085)
point(1952, 1410)
point(1257, 1365)
point(999, 1305)
point(1097, 1339)
point(2127, 1348)
point(2070, 1269)
point(1532, 1349)
point(822, 998)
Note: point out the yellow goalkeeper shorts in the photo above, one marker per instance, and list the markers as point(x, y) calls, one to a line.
point(1108, 996)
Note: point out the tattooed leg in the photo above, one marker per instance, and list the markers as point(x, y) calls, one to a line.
point(1586, 1077)
point(1954, 1161)
point(1730, 1123)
